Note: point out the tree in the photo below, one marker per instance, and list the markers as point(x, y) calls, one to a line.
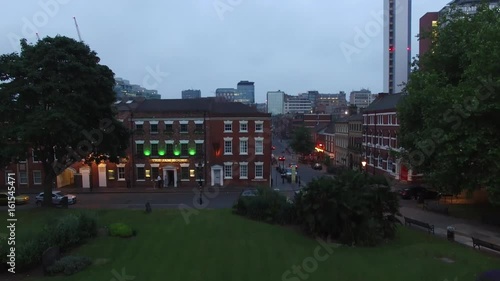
point(302, 142)
point(449, 125)
point(55, 98)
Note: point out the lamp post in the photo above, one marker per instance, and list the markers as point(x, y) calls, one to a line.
point(363, 163)
point(199, 167)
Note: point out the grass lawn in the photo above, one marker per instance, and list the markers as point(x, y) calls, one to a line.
point(217, 245)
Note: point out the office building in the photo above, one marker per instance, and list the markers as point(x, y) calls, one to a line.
point(124, 90)
point(361, 98)
point(276, 102)
point(191, 94)
point(247, 90)
point(397, 44)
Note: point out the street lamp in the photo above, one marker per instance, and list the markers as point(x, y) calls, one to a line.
point(199, 168)
point(363, 163)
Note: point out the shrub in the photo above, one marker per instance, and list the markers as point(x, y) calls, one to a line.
point(66, 232)
point(69, 265)
point(349, 208)
point(268, 205)
point(120, 230)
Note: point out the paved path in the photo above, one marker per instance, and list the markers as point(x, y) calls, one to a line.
point(464, 229)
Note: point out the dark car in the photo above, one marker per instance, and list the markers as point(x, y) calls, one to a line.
point(317, 166)
point(413, 192)
point(249, 193)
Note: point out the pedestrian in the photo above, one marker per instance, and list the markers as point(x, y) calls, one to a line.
point(158, 180)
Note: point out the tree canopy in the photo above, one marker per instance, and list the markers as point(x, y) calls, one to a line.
point(57, 99)
point(449, 124)
point(302, 141)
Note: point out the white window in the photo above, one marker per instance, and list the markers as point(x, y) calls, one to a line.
point(228, 146)
point(259, 126)
point(37, 177)
point(243, 146)
point(243, 170)
point(379, 161)
point(228, 171)
point(35, 158)
point(23, 177)
point(259, 170)
point(243, 126)
point(228, 126)
point(121, 172)
point(259, 146)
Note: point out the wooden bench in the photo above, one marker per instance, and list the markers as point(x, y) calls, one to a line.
point(436, 207)
point(478, 243)
point(409, 221)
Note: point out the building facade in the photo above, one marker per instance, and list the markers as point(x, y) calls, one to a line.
point(355, 135)
point(468, 6)
point(397, 44)
point(247, 90)
point(191, 94)
point(297, 104)
point(342, 142)
point(361, 98)
point(380, 144)
point(183, 142)
point(276, 102)
point(427, 23)
point(124, 90)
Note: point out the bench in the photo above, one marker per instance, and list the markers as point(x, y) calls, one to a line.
point(478, 243)
point(409, 221)
point(436, 207)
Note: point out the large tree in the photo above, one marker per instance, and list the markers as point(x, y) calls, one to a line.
point(449, 117)
point(56, 99)
point(302, 141)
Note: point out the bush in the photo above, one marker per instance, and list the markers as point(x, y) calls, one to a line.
point(349, 208)
point(120, 230)
point(66, 232)
point(269, 206)
point(69, 265)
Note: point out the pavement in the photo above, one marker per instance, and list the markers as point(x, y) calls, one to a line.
point(464, 229)
point(185, 190)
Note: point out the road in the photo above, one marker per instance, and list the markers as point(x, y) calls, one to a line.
point(214, 200)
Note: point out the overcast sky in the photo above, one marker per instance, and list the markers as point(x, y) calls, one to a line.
point(288, 45)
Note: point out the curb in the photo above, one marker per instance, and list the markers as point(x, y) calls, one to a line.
point(127, 192)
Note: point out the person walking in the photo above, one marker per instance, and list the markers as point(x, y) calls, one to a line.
point(158, 180)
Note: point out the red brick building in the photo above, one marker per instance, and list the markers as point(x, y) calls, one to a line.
point(183, 142)
point(427, 23)
point(381, 126)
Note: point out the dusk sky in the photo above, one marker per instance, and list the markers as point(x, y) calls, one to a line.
point(170, 46)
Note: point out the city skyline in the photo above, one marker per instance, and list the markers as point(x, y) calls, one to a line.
point(270, 52)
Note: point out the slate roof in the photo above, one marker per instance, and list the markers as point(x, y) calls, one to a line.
point(385, 102)
point(198, 105)
point(330, 129)
point(357, 117)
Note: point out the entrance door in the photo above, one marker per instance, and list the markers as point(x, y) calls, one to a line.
point(170, 178)
point(102, 175)
point(217, 177)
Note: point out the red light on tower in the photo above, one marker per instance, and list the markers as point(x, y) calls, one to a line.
point(408, 48)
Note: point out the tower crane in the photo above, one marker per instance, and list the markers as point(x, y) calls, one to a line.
point(77, 30)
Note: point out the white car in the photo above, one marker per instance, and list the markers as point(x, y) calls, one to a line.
point(56, 198)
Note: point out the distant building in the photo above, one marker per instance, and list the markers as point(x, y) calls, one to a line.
point(361, 98)
point(229, 94)
point(427, 23)
point(124, 90)
point(276, 102)
point(191, 94)
point(247, 91)
point(297, 104)
point(397, 44)
point(468, 6)
point(261, 107)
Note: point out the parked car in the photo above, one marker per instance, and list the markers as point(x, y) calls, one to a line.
point(287, 173)
point(249, 193)
point(19, 198)
point(57, 196)
point(413, 192)
point(317, 166)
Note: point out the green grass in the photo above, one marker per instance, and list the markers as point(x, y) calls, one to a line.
point(217, 245)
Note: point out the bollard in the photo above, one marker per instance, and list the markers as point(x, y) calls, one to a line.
point(450, 233)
